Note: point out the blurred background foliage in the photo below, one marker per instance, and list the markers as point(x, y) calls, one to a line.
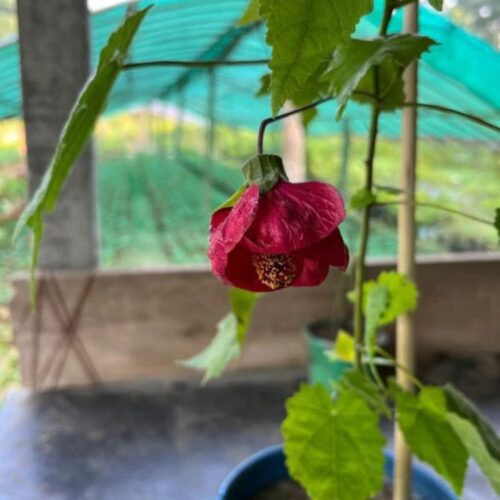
point(157, 185)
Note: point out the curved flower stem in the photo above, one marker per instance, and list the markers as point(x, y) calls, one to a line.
point(442, 208)
point(268, 121)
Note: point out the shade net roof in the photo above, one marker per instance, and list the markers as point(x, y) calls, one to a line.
point(462, 72)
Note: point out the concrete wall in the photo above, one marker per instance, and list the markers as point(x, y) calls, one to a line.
point(55, 64)
point(137, 324)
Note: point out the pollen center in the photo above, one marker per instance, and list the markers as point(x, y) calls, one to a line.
point(274, 270)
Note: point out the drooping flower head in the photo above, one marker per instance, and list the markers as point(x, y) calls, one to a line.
point(273, 234)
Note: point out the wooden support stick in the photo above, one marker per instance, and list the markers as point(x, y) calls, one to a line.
point(405, 348)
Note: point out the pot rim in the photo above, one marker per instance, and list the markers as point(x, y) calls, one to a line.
point(422, 474)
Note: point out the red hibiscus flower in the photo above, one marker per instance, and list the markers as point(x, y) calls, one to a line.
point(277, 234)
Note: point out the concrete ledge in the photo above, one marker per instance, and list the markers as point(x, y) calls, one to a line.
point(137, 324)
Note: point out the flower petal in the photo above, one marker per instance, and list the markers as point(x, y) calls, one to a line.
point(228, 228)
point(294, 216)
point(311, 272)
point(240, 271)
point(218, 218)
point(332, 249)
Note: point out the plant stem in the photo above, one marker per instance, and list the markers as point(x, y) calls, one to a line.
point(359, 276)
point(386, 19)
point(365, 228)
point(386, 355)
point(268, 121)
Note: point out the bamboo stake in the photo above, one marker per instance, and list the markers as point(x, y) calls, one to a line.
point(405, 342)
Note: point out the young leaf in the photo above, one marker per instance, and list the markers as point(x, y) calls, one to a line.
point(78, 128)
point(351, 67)
point(402, 292)
point(251, 14)
point(343, 348)
point(361, 199)
point(228, 341)
point(424, 423)
point(377, 301)
point(333, 448)
point(303, 34)
point(473, 442)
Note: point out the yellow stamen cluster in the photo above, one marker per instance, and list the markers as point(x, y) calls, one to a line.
point(274, 270)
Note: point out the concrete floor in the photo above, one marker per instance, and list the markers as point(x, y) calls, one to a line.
point(149, 441)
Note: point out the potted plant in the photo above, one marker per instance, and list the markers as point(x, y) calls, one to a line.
point(272, 234)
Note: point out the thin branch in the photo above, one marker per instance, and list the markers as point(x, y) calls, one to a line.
point(451, 111)
point(440, 207)
point(268, 121)
point(194, 64)
point(255, 62)
point(436, 107)
point(398, 365)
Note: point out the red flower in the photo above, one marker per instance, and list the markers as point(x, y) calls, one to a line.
point(285, 236)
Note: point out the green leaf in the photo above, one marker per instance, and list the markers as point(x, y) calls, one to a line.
point(425, 426)
point(228, 341)
point(362, 385)
point(377, 302)
point(437, 4)
point(303, 34)
point(265, 85)
point(403, 295)
point(459, 404)
point(223, 348)
point(242, 305)
point(473, 442)
point(233, 199)
point(343, 347)
point(312, 90)
point(361, 199)
point(251, 14)
point(78, 128)
point(352, 64)
point(497, 222)
point(333, 448)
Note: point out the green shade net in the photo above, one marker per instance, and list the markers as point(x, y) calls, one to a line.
point(462, 72)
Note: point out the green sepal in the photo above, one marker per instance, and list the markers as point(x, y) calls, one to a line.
point(233, 199)
point(264, 170)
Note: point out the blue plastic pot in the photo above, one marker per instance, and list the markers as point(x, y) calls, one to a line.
point(267, 467)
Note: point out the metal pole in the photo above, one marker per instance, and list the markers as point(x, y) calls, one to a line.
point(179, 126)
point(344, 162)
point(211, 124)
point(405, 338)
